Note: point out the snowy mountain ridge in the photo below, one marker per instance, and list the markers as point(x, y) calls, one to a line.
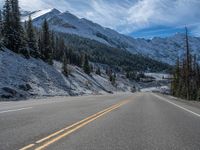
point(163, 49)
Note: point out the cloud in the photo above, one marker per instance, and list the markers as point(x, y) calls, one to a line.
point(128, 16)
point(164, 12)
point(33, 4)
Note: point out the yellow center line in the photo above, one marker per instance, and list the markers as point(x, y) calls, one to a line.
point(66, 131)
point(27, 147)
point(71, 126)
point(76, 128)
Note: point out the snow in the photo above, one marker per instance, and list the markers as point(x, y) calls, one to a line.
point(158, 76)
point(36, 14)
point(162, 89)
point(21, 78)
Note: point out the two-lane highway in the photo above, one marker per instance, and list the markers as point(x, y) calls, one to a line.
point(109, 122)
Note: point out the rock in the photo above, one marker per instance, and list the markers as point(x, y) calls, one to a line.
point(25, 87)
point(10, 91)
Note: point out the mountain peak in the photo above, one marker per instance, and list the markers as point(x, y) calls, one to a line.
point(39, 13)
point(54, 10)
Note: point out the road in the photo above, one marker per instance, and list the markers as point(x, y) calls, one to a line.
point(124, 121)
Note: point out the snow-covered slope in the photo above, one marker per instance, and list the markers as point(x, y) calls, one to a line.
point(167, 49)
point(162, 49)
point(21, 78)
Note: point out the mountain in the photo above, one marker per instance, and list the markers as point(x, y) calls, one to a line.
point(85, 36)
point(167, 49)
point(162, 49)
point(68, 23)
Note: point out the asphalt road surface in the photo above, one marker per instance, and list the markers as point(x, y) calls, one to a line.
point(124, 121)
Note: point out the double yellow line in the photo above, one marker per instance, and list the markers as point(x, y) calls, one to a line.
point(52, 138)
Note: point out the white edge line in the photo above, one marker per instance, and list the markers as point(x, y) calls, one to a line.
point(164, 99)
point(14, 110)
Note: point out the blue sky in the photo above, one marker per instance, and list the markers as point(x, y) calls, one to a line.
point(139, 18)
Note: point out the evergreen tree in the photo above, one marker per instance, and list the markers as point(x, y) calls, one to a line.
point(82, 59)
point(23, 47)
point(40, 46)
point(188, 65)
point(65, 66)
point(198, 95)
point(18, 35)
point(46, 43)
point(1, 23)
point(13, 33)
point(86, 66)
point(176, 80)
point(0, 16)
point(113, 78)
point(61, 47)
point(26, 25)
point(31, 39)
point(91, 68)
point(98, 71)
point(53, 44)
point(7, 32)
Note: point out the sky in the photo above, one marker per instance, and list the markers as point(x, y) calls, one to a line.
point(138, 18)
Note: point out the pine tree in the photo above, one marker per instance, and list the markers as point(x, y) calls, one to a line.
point(53, 44)
point(26, 25)
point(198, 95)
point(187, 65)
point(65, 66)
point(86, 66)
point(91, 68)
point(40, 45)
point(31, 39)
point(23, 47)
point(82, 59)
point(176, 79)
point(7, 32)
point(98, 71)
point(18, 35)
point(0, 17)
point(112, 78)
point(13, 33)
point(0, 20)
point(1, 23)
point(46, 43)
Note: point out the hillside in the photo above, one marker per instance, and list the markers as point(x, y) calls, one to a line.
point(21, 78)
point(115, 57)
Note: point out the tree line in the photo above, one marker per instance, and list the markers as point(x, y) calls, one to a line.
point(117, 58)
point(186, 76)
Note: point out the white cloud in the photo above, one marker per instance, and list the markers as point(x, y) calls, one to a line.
point(33, 4)
point(175, 13)
point(127, 16)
